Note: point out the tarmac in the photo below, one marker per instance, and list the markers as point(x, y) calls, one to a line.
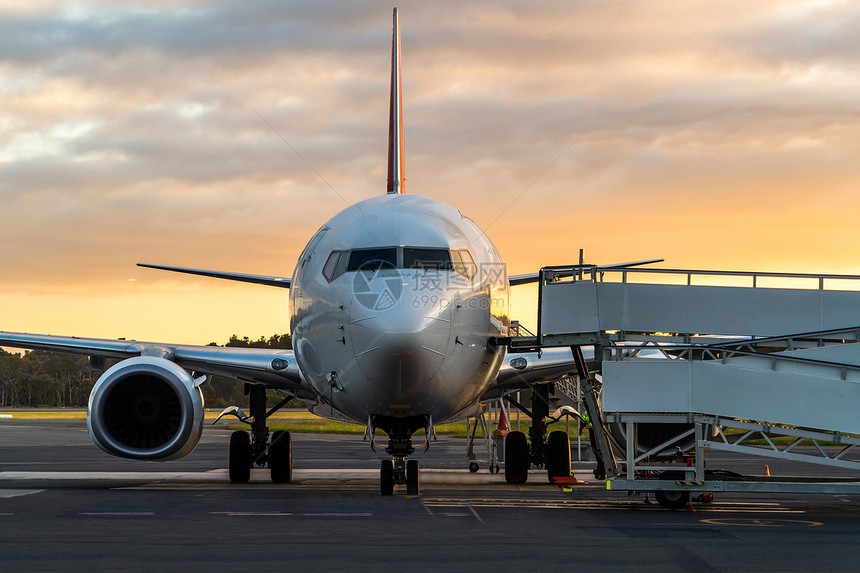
point(65, 505)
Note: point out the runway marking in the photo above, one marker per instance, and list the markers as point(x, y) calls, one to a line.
point(7, 493)
point(117, 513)
point(5, 415)
point(360, 514)
point(451, 514)
point(251, 514)
point(475, 513)
point(471, 503)
point(286, 514)
point(99, 476)
point(744, 522)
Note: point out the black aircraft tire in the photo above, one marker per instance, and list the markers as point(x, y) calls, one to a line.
point(386, 478)
point(516, 458)
point(239, 466)
point(412, 481)
point(558, 455)
point(672, 499)
point(281, 457)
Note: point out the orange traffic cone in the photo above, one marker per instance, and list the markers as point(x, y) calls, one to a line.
point(766, 470)
point(502, 430)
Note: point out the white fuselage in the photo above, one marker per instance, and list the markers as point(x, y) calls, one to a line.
point(384, 325)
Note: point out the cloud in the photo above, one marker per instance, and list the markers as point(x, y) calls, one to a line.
point(183, 132)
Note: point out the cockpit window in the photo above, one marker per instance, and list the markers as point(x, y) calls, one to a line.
point(371, 259)
point(426, 259)
point(463, 263)
point(335, 265)
point(458, 260)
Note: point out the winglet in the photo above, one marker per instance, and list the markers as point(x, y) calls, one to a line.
point(396, 162)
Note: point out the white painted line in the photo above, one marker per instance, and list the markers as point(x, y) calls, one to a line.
point(5, 415)
point(97, 476)
point(249, 514)
point(118, 513)
point(7, 493)
point(300, 477)
point(475, 513)
point(451, 514)
point(336, 514)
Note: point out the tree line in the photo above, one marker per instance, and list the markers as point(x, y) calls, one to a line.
point(40, 379)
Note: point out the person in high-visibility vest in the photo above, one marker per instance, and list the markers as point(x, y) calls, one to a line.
point(600, 470)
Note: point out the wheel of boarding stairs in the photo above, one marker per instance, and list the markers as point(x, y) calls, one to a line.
point(516, 458)
point(239, 466)
point(558, 455)
point(281, 457)
point(672, 499)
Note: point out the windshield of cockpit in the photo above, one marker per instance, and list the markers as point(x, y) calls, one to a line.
point(457, 260)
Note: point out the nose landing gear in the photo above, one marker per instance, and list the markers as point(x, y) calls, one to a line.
point(397, 471)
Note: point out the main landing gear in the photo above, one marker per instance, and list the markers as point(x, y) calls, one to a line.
point(256, 449)
point(397, 471)
point(537, 451)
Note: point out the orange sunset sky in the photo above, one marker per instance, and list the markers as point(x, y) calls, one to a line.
point(717, 135)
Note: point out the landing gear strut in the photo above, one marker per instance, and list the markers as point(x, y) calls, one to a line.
point(397, 471)
point(256, 449)
point(537, 432)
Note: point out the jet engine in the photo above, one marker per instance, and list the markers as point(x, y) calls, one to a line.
point(146, 408)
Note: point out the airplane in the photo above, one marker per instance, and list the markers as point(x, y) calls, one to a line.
point(394, 306)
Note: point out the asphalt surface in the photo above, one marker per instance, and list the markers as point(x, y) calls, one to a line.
point(65, 505)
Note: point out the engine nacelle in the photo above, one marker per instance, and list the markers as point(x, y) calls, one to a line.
point(146, 408)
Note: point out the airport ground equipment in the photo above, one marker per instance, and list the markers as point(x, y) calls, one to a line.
point(691, 361)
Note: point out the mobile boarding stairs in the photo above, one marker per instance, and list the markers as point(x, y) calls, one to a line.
point(721, 357)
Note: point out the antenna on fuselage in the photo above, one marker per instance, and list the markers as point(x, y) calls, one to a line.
point(396, 162)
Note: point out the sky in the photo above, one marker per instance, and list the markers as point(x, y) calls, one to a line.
point(221, 135)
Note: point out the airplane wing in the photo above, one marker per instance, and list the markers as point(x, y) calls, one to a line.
point(515, 280)
point(522, 370)
point(273, 368)
point(570, 270)
point(282, 282)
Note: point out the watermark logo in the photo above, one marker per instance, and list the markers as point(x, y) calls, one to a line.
point(377, 285)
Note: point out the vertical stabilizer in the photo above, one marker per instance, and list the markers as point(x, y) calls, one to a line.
point(396, 162)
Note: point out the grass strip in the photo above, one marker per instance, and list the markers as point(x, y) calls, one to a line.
point(61, 414)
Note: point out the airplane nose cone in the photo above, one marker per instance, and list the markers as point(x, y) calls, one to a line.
point(401, 347)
